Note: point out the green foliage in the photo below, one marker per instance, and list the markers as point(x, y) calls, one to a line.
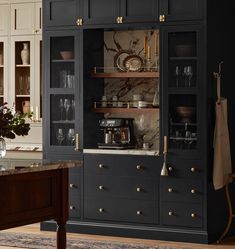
point(13, 124)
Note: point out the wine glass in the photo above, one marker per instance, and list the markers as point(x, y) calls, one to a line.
point(67, 107)
point(73, 107)
point(177, 74)
point(71, 136)
point(61, 106)
point(188, 72)
point(60, 135)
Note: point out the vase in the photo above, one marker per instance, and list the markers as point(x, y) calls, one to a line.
point(26, 106)
point(25, 54)
point(2, 147)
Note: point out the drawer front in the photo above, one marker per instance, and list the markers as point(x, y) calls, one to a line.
point(75, 181)
point(185, 190)
point(74, 206)
point(115, 209)
point(120, 187)
point(185, 168)
point(182, 214)
point(122, 165)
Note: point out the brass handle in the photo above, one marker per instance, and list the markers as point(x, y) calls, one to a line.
point(170, 168)
point(193, 191)
point(193, 169)
point(101, 187)
point(162, 18)
point(79, 22)
point(139, 212)
point(193, 215)
point(170, 190)
point(120, 19)
point(138, 189)
point(101, 166)
point(71, 207)
point(77, 142)
point(101, 210)
point(170, 213)
point(71, 185)
point(36, 31)
point(138, 167)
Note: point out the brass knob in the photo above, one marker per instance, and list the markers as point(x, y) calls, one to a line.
point(101, 210)
point(193, 191)
point(79, 22)
point(71, 185)
point(193, 169)
point(170, 190)
point(36, 31)
point(138, 212)
point(193, 215)
point(138, 167)
point(101, 166)
point(120, 19)
point(138, 189)
point(170, 213)
point(162, 18)
point(71, 207)
point(101, 187)
point(170, 168)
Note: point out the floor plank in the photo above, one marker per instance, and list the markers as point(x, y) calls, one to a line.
point(34, 228)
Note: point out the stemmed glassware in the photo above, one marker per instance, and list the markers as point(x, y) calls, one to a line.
point(73, 107)
point(177, 75)
point(60, 135)
point(188, 72)
point(61, 106)
point(71, 136)
point(67, 107)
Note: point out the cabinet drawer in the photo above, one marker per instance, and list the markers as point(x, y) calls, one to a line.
point(122, 165)
point(120, 187)
point(182, 214)
point(120, 210)
point(185, 168)
point(182, 190)
point(74, 207)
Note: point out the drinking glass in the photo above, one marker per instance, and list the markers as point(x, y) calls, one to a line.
point(73, 107)
point(61, 106)
point(27, 85)
point(67, 107)
point(71, 136)
point(21, 85)
point(188, 72)
point(177, 75)
point(60, 135)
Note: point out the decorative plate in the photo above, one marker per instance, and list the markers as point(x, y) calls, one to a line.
point(119, 58)
point(133, 63)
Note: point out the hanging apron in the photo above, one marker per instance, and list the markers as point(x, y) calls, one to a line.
point(222, 159)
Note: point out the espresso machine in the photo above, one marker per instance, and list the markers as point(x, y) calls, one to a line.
point(118, 133)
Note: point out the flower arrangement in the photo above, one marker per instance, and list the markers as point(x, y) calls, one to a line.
point(13, 124)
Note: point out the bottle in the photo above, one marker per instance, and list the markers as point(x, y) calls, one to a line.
point(25, 54)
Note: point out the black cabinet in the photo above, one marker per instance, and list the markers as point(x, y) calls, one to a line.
point(61, 12)
point(181, 10)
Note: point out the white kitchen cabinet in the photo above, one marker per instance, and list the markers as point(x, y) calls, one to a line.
point(26, 18)
point(4, 19)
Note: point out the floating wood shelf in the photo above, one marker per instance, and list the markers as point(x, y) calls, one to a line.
point(62, 61)
point(126, 75)
point(21, 65)
point(126, 110)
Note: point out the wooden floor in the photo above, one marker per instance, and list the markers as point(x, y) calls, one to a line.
point(34, 228)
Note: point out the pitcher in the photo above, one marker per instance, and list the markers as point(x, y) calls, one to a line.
point(26, 106)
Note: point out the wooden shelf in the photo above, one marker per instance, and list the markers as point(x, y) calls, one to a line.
point(21, 65)
point(125, 110)
point(126, 75)
point(61, 61)
point(22, 95)
point(183, 58)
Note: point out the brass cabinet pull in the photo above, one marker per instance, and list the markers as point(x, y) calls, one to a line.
point(170, 213)
point(101, 210)
point(138, 212)
point(138, 167)
point(101, 187)
point(101, 166)
point(71, 207)
point(162, 18)
point(193, 169)
point(170, 168)
point(120, 19)
point(79, 22)
point(138, 189)
point(193, 215)
point(71, 185)
point(170, 190)
point(76, 142)
point(193, 191)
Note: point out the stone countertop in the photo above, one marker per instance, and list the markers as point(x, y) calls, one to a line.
point(44, 166)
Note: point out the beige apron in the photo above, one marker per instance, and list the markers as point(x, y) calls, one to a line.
point(222, 158)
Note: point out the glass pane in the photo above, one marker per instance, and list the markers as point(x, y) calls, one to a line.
point(40, 79)
point(1, 72)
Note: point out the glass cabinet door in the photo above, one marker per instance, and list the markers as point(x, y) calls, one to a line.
point(3, 69)
point(181, 78)
point(61, 84)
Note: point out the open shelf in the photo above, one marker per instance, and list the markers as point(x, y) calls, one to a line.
point(126, 75)
point(183, 58)
point(61, 60)
point(21, 65)
point(125, 110)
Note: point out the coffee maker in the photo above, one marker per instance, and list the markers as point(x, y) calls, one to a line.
point(118, 133)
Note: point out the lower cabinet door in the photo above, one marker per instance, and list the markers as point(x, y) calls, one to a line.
point(182, 214)
point(120, 210)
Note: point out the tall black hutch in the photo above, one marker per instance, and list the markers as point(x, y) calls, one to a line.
point(122, 192)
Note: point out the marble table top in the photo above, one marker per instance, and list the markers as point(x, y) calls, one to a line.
point(37, 167)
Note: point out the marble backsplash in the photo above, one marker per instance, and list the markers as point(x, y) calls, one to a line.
point(146, 124)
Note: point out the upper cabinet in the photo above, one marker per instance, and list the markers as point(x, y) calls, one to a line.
point(4, 19)
point(177, 10)
point(54, 8)
point(26, 18)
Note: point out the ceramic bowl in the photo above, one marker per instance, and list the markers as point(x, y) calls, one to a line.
point(66, 55)
point(185, 113)
point(183, 50)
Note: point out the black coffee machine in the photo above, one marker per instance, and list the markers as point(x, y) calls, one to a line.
point(118, 133)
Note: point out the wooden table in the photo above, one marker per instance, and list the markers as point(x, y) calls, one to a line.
point(34, 194)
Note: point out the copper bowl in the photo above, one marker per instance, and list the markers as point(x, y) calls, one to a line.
point(185, 113)
point(66, 55)
point(183, 50)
